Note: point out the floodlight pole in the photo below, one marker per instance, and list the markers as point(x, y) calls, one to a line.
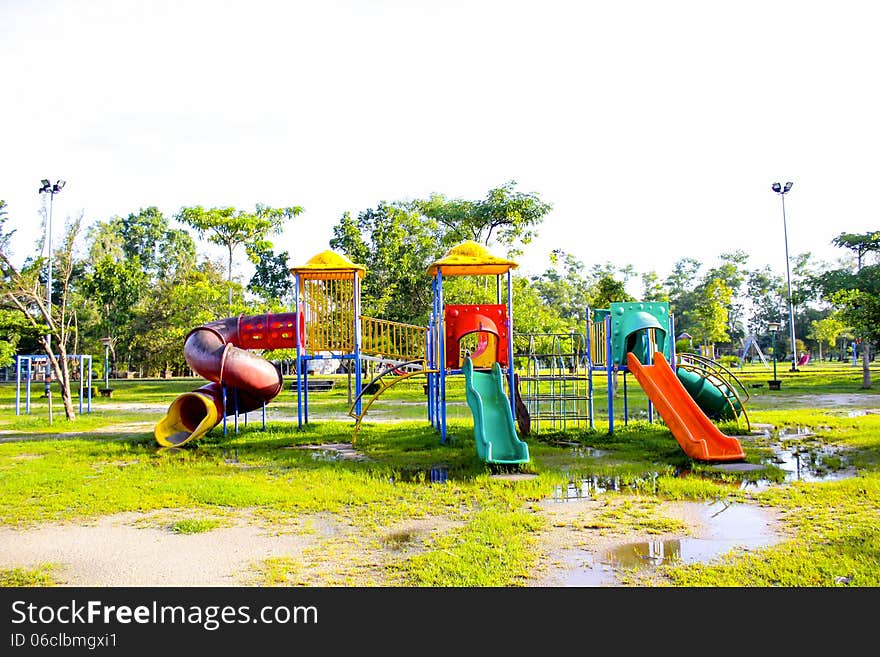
point(782, 192)
point(51, 190)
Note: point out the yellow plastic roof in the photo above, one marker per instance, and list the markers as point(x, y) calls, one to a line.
point(329, 264)
point(470, 259)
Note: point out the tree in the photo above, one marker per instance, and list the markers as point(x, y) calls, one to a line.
point(711, 312)
point(23, 290)
point(652, 288)
point(861, 244)
point(565, 287)
point(732, 272)
point(115, 287)
point(826, 331)
point(857, 294)
point(396, 244)
point(171, 311)
point(272, 280)
point(231, 228)
point(505, 215)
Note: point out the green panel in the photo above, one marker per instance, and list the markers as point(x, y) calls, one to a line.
point(629, 321)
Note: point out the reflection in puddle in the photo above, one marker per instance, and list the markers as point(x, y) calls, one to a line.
point(590, 487)
point(725, 527)
point(332, 452)
point(807, 464)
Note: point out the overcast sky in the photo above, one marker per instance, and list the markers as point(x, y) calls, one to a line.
point(655, 129)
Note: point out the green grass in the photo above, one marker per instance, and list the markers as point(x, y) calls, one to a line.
point(40, 576)
point(486, 530)
point(194, 525)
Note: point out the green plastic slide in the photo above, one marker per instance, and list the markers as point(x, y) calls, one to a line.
point(494, 428)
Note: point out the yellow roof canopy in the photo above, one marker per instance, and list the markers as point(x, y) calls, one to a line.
point(329, 265)
point(470, 259)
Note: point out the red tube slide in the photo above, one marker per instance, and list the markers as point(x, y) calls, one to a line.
point(219, 352)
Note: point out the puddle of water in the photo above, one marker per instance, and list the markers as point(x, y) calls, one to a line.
point(332, 452)
point(590, 487)
point(788, 433)
point(725, 527)
point(807, 465)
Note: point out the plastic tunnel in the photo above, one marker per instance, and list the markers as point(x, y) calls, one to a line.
point(219, 352)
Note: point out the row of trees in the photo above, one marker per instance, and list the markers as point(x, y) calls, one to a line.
point(144, 284)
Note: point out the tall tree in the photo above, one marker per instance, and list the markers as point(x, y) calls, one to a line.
point(271, 279)
point(231, 228)
point(711, 312)
point(23, 289)
point(857, 294)
point(861, 244)
point(506, 215)
point(396, 245)
point(826, 331)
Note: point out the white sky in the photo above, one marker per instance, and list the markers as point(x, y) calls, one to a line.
point(654, 128)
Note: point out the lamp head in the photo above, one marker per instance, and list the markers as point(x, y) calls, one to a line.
point(59, 185)
point(777, 187)
point(787, 187)
point(44, 186)
point(773, 327)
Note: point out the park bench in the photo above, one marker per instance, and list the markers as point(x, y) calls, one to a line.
point(316, 385)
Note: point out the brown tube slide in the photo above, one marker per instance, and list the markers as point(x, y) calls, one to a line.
point(219, 352)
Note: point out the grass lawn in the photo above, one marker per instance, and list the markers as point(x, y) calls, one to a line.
point(393, 526)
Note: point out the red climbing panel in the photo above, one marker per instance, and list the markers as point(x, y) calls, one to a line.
point(464, 319)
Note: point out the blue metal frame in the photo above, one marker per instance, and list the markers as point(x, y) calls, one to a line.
point(29, 358)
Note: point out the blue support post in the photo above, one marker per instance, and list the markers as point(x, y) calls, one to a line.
point(81, 375)
point(511, 380)
point(609, 373)
point(235, 408)
point(89, 397)
point(358, 385)
point(442, 365)
point(625, 402)
point(17, 384)
point(429, 364)
point(589, 343)
point(223, 388)
point(298, 367)
point(27, 392)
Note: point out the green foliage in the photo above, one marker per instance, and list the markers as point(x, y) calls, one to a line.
point(230, 228)
point(710, 313)
point(505, 215)
point(396, 245)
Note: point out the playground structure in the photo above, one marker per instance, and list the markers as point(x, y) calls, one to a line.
point(474, 340)
point(26, 366)
point(635, 337)
point(492, 326)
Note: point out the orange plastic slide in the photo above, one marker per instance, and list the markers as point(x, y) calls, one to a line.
point(698, 436)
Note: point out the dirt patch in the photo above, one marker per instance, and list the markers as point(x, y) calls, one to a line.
point(141, 549)
point(136, 549)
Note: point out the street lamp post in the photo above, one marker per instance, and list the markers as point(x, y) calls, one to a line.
point(773, 327)
point(782, 191)
point(48, 188)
